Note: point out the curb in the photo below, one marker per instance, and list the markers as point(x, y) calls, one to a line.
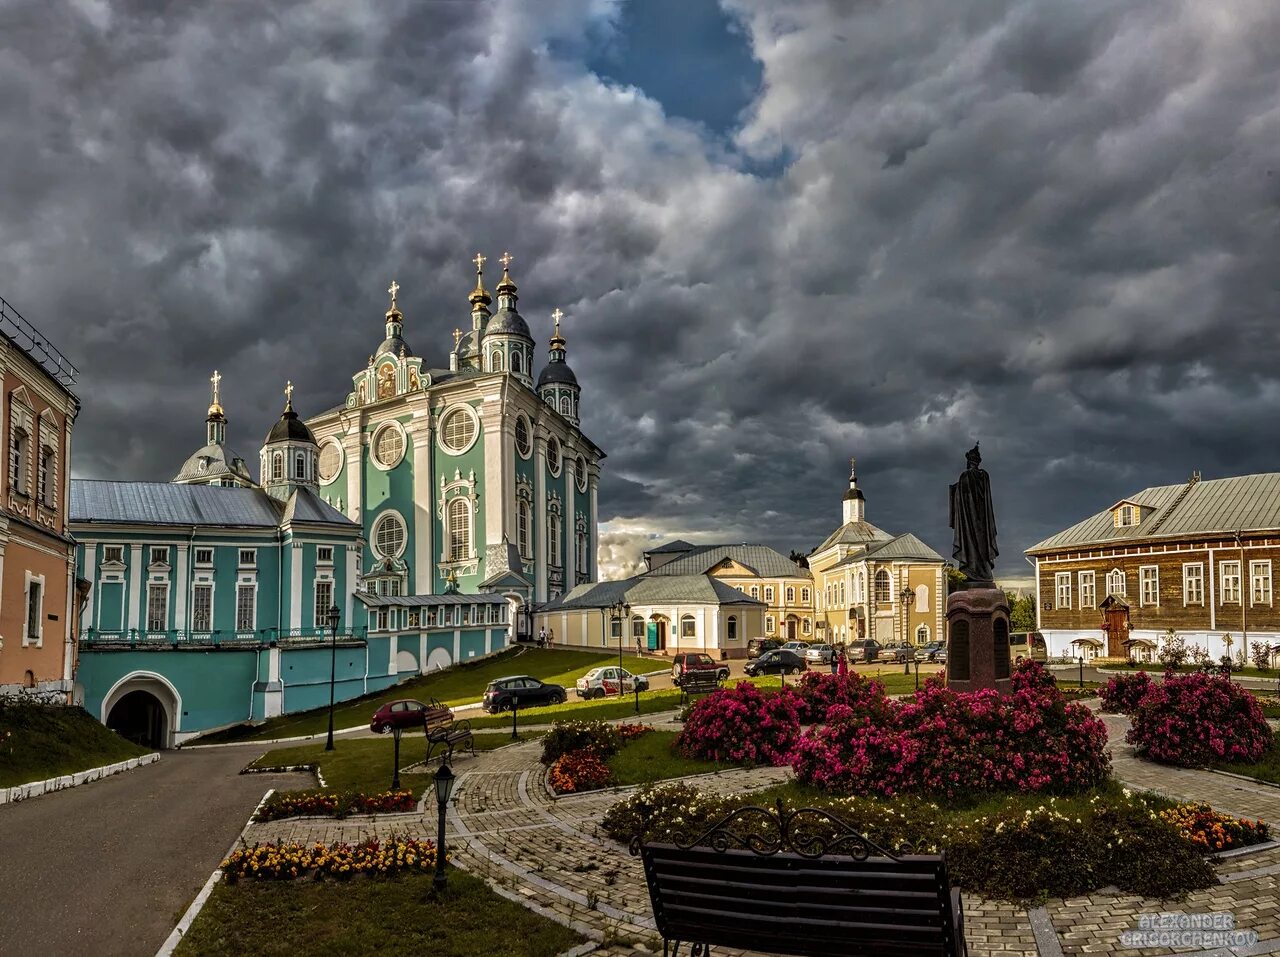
point(184, 923)
point(1243, 777)
point(23, 792)
point(307, 737)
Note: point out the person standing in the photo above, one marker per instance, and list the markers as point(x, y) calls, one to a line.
point(835, 664)
point(551, 637)
point(542, 637)
point(843, 668)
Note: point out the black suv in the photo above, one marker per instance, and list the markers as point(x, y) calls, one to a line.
point(779, 661)
point(521, 691)
point(758, 646)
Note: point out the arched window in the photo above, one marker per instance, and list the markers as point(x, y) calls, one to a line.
point(922, 598)
point(582, 552)
point(731, 631)
point(18, 446)
point(1115, 582)
point(883, 588)
point(688, 628)
point(808, 625)
point(791, 595)
point(565, 405)
point(517, 361)
point(922, 635)
point(553, 539)
point(522, 436)
point(522, 528)
point(459, 529)
point(277, 466)
point(804, 596)
point(553, 455)
point(495, 361)
point(29, 679)
point(768, 624)
point(45, 488)
point(300, 466)
point(637, 629)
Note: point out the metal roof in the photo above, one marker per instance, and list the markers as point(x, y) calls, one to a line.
point(763, 560)
point(305, 505)
point(162, 503)
point(905, 546)
point(854, 533)
point(652, 590)
point(1196, 508)
point(678, 545)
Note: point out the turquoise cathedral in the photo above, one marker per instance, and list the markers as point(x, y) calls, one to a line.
point(435, 509)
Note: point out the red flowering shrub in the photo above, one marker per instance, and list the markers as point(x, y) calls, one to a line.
point(946, 742)
point(1123, 692)
point(1196, 719)
point(818, 692)
point(742, 725)
point(578, 771)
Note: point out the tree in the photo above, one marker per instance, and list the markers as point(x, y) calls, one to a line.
point(955, 578)
point(1022, 614)
point(799, 559)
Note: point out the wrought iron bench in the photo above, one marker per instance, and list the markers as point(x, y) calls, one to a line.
point(448, 738)
point(832, 893)
point(437, 714)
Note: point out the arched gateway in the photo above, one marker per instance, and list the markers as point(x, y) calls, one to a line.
point(143, 707)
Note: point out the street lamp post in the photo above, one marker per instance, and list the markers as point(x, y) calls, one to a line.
point(906, 596)
point(335, 613)
point(395, 775)
point(444, 789)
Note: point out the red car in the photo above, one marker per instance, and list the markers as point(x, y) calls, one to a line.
point(407, 714)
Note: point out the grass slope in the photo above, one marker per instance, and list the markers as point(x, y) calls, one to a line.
point(368, 916)
point(463, 684)
point(650, 758)
point(43, 741)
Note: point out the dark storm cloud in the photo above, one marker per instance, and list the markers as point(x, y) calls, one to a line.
point(1049, 226)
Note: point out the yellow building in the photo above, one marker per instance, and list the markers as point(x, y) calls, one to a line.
point(871, 584)
point(785, 588)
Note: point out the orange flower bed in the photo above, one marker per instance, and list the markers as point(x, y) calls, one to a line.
point(1212, 830)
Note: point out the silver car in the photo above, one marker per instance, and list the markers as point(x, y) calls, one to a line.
point(819, 654)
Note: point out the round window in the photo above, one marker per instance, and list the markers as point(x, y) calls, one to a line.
point(388, 536)
point(458, 431)
point(523, 445)
point(580, 466)
point(553, 455)
point(388, 446)
point(330, 461)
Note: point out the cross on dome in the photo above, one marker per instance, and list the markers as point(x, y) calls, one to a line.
point(393, 289)
point(215, 379)
point(557, 316)
point(479, 261)
point(457, 337)
point(288, 392)
point(506, 260)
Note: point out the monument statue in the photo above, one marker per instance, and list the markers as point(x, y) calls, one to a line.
point(974, 521)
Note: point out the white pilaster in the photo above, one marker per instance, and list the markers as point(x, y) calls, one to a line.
point(295, 585)
point(353, 449)
point(135, 587)
point(420, 434)
point(494, 499)
point(570, 524)
point(593, 532)
point(91, 576)
point(353, 578)
point(180, 589)
point(540, 507)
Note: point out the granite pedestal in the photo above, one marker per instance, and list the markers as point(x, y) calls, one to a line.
point(978, 640)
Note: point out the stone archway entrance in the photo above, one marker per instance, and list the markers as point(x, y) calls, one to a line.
point(140, 717)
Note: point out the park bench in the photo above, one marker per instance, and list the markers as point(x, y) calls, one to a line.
point(450, 737)
point(801, 882)
point(437, 714)
point(702, 681)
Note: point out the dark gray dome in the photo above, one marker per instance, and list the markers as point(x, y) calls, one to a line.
point(211, 462)
point(290, 428)
point(394, 344)
point(557, 373)
point(508, 322)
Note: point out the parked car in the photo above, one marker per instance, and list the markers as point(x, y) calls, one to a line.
point(1028, 644)
point(696, 662)
point(799, 647)
point(897, 652)
point(523, 691)
point(407, 713)
point(940, 657)
point(929, 652)
point(599, 682)
point(863, 649)
point(758, 646)
point(819, 654)
point(778, 661)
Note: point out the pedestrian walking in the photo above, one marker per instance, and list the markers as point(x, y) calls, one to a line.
point(843, 668)
point(551, 637)
point(835, 664)
point(542, 637)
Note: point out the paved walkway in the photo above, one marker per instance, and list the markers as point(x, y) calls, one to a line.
point(550, 852)
point(108, 868)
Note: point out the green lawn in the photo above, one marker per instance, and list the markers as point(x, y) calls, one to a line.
point(1268, 769)
point(651, 702)
point(365, 764)
point(43, 741)
point(370, 916)
point(463, 684)
point(650, 758)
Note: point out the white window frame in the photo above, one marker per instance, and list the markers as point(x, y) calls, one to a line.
point(1149, 585)
point(755, 592)
point(805, 596)
point(555, 557)
point(252, 588)
point(1062, 590)
point(527, 451)
point(458, 550)
point(1193, 582)
point(251, 561)
point(555, 464)
point(196, 625)
point(688, 628)
point(1259, 572)
point(329, 443)
point(807, 625)
point(768, 594)
point(202, 551)
point(1229, 572)
point(324, 554)
point(375, 443)
point(321, 612)
point(391, 515)
point(158, 555)
point(768, 624)
point(791, 595)
point(1114, 576)
point(38, 638)
point(1088, 586)
point(524, 522)
point(462, 408)
point(113, 554)
point(163, 589)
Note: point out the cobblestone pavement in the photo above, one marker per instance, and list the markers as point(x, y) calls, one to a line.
point(550, 853)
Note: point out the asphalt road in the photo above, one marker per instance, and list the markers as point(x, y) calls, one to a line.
point(108, 868)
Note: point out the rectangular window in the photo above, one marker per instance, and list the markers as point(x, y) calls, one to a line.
point(246, 610)
point(768, 594)
point(1088, 590)
point(46, 477)
point(1149, 580)
point(248, 557)
point(1260, 583)
point(1229, 573)
point(113, 553)
point(382, 619)
point(324, 554)
point(202, 607)
point(431, 617)
point(324, 601)
point(204, 556)
point(1062, 586)
point(160, 555)
point(1193, 584)
point(157, 606)
point(755, 591)
point(688, 628)
point(18, 442)
point(768, 624)
point(33, 611)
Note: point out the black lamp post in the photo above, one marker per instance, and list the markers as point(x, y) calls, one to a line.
point(907, 596)
point(444, 790)
point(335, 613)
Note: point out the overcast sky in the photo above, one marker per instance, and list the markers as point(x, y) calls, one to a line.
point(783, 234)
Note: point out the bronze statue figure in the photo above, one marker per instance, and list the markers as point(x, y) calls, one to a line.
point(974, 521)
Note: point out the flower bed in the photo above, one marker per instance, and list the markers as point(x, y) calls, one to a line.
point(742, 725)
point(1122, 693)
point(577, 751)
point(817, 693)
point(1008, 848)
point(578, 771)
point(948, 743)
point(1213, 831)
point(1196, 719)
point(337, 804)
point(282, 861)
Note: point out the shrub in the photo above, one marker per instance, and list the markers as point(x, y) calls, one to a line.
point(817, 692)
point(1173, 652)
point(567, 736)
point(742, 725)
point(1123, 692)
point(1261, 656)
point(578, 771)
point(334, 804)
point(1196, 719)
point(947, 742)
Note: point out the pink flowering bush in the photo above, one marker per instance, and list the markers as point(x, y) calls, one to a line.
point(1196, 719)
point(1123, 692)
point(742, 725)
point(947, 742)
point(817, 692)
